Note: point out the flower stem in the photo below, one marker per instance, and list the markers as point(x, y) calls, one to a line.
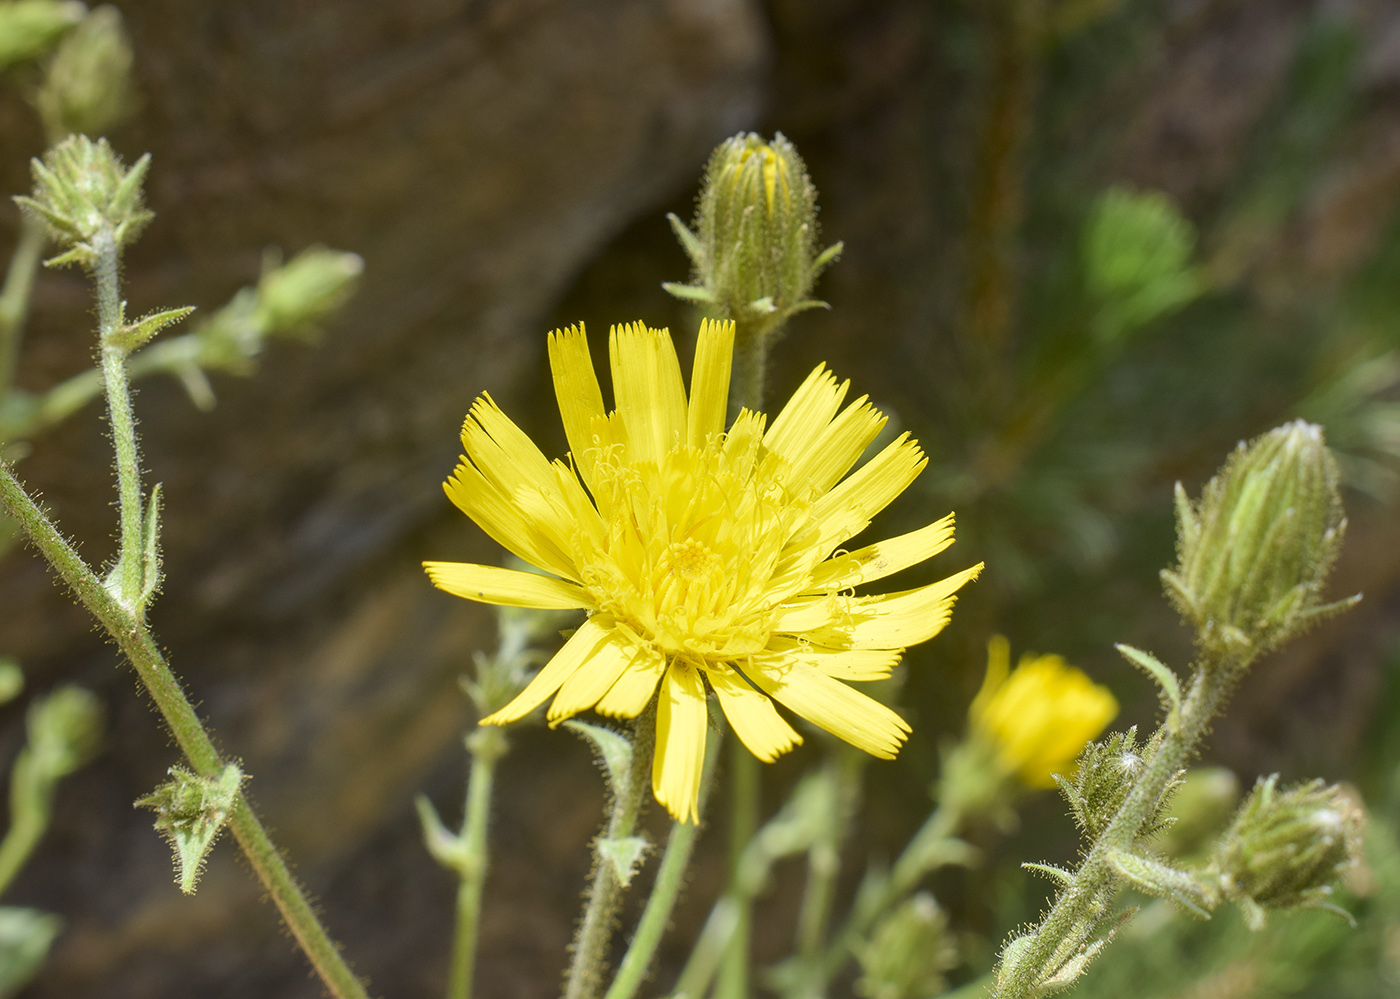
point(1065, 930)
point(669, 878)
point(591, 944)
point(109, 318)
point(750, 366)
point(135, 640)
point(733, 982)
point(745, 392)
point(14, 299)
point(487, 746)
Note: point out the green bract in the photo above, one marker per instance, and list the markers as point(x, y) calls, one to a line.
point(1256, 548)
point(753, 245)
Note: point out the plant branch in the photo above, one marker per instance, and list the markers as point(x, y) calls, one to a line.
point(135, 640)
point(591, 944)
point(1065, 929)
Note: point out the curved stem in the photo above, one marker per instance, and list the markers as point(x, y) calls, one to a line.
point(669, 878)
point(135, 640)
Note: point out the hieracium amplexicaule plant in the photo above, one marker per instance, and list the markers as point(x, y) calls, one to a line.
point(1255, 551)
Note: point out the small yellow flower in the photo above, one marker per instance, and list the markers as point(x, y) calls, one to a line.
point(1038, 717)
point(706, 560)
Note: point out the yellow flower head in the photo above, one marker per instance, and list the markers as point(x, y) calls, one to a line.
point(1038, 717)
point(705, 559)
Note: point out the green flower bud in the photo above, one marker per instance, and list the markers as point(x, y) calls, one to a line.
point(1256, 548)
point(908, 953)
point(86, 195)
point(28, 28)
point(88, 88)
point(1287, 848)
point(1106, 772)
point(298, 294)
point(65, 731)
point(753, 246)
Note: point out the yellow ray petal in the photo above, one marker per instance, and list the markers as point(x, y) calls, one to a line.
point(501, 518)
point(579, 508)
point(846, 510)
point(489, 584)
point(821, 461)
point(755, 720)
point(591, 681)
point(629, 695)
point(879, 560)
point(503, 452)
point(709, 381)
point(648, 389)
point(573, 656)
point(680, 742)
point(887, 621)
point(806, 414)
point(576, 388)
point(861, 665)
point(862, 721)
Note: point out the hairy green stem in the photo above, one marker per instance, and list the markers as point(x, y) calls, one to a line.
point(135, 640)
point(750, 367)
point(109, 319)
point(591, 943)
point(487, 746)
point(14, 299)
point(670, 876)
point(1058, 937)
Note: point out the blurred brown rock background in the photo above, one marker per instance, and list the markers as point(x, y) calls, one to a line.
point(503, 167)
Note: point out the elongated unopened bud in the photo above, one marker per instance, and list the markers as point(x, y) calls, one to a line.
point(753, 244)
point(1256, 548)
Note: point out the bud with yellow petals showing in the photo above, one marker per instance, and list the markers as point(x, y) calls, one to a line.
point(753, 245)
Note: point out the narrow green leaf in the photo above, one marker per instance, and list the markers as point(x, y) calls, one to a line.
point(130, 336)
point(1059, 875)
point(690, 243)
point(826, 257)
point(613, 748)
point(150, 551)
point(443, 845)
point(1166, 680)
point(688, 292)
point(624, 854)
